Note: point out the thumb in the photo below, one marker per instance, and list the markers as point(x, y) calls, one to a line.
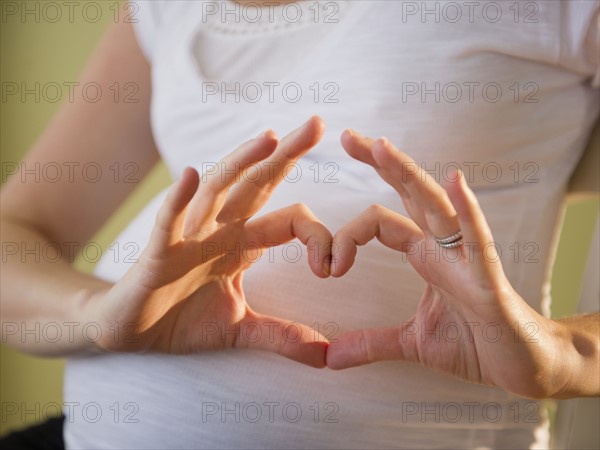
point(360, 347)
point(287, 338)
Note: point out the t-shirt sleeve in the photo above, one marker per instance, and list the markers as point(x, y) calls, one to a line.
point(146, 21)
point(580, 38)
point(592, 45)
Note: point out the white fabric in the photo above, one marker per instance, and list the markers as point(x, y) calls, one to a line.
point(374, 54)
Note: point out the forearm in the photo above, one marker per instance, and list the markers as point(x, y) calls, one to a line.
point(583, 358)
point(43, 297)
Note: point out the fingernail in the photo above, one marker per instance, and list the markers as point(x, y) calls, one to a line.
point(332, 266)
point(327, 265)
point(355, 135)
point(183, 174)
point(453, 176)
point(266, 133)
point(307, 123)
point(461, 178)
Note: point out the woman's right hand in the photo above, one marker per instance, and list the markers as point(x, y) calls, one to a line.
point(185, 294)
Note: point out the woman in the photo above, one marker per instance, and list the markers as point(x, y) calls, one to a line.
point(484, 90)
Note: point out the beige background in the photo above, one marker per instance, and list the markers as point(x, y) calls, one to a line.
point(56, 52)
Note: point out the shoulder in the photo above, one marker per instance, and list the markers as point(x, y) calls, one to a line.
point(150, 17)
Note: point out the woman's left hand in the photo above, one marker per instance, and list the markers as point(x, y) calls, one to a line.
point(470, 323)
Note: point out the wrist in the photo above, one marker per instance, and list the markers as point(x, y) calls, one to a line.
point(91, 326)
point(579, 358)
point(559, 374)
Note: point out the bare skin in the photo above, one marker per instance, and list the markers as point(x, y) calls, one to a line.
point(466, 287)
point(181, 286)
point(181, 296)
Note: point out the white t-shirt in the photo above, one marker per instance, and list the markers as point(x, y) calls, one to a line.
point(506, 90)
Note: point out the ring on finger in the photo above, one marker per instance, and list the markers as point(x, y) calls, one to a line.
point(452, 241)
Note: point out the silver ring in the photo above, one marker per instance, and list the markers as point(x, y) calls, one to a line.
point(452, 241)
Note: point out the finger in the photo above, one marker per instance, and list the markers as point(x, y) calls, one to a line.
point(293, 340)
point(361, 148)
point(399, 169)
point(261, 180)
point(296, 221)
point(425, 200)
point(360, 347)
point(216, 182)
point(472, 221)
point(170, 219)
point(390, 228)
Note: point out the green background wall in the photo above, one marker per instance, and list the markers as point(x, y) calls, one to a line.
point(56, 52)
point(48, 52)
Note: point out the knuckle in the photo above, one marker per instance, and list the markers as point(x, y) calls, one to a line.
point(162, 217)
point(365, 349)
point(376, 209)
point(441, 206)
point(340, 235)
point(301, 208)
point(433, 208)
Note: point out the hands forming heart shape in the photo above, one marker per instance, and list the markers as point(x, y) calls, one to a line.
point(185, 295)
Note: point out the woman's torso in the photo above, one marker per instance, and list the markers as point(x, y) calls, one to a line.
point(517, 129)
